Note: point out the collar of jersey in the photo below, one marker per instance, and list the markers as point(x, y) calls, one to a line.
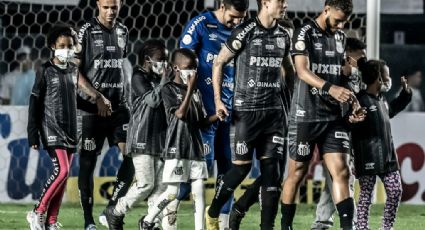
point(264, 28)
point(104, 27)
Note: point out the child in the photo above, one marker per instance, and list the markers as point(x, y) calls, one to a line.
point(147, 131)
point(374, 152)
point(183, 152)
point(52, 116)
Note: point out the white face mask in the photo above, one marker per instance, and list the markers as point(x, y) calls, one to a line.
point(355, 79)
point(158, 67)
point(386, 86)
point(64, 55)
point(185, 73)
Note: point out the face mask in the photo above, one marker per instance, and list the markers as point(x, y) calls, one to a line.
point(184, 74)
point(158, 67)
point(386, 86)
point(355, 79)
point(64, 55)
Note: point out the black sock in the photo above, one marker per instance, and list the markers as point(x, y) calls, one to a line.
point(249, 197)
point(288, 213)
point(226, 187)
point(269, 201)
point(345, 210)
point(124, 180)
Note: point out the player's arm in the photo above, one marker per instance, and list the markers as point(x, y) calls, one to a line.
point(191, 38)
point(304, 73)
point(104, 106)
point(224, 57)
point(35, 109)
point(288, 73)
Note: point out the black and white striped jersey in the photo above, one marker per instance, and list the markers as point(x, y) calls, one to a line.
point(102, 56)
point(148, 124)
point(259, 56)
point(184, 140)
point(52, 111)
point(326, 53)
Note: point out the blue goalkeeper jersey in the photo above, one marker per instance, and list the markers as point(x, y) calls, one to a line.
point(205, 35)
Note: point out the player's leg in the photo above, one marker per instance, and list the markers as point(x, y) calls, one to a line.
point(392, 184)
point(367, 183)
point(55, 203)
point(325, 207)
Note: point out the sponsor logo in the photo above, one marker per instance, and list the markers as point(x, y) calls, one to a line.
point(52, 138)
point(238, 102)
point(300, 113)
point(194, 24)
point(98, 43)
point(141, 145)
point(111, 48)
point(326, 69)
point(243, 33)
point(370, 166)
point(208, 80)
point(106, 85)
point(82, 31)
point(303, 149)
point(212, 26)
point(229, 85)
point(125, 127)
point(187, 39)
point(280, 42)
point(314, 91)
point(269, 47)
point(280, 150)
point(241, 148)
point(301, 35)
point(318, 46)
point(212, 37)
point(257, 42)
point(251, 82)
point(89, 144)
point(211, 58)
point(265, 61)
point(108, 63)
point(178, 171)
point(373, 108)
point(342, 135)
point(236, 44)
point(330, 53)
point(300, 45)
point(96, 85)
point(278, 140)
point(96, 32)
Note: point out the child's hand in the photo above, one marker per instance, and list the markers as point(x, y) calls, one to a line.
point(404, 84)
point(191, 80)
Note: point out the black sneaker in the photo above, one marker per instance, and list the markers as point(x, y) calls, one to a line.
point(143, 225)
point(115, 222)
point(235, 219)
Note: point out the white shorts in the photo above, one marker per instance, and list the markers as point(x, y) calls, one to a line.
point(182, 170)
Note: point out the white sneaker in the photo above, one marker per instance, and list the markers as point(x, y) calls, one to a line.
point(102, 219)
point(91, 227)
point(55, 226)
point(36, 220)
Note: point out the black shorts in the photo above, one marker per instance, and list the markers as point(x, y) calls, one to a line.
point(93, 129)
point(330, 137)
point(262, 130)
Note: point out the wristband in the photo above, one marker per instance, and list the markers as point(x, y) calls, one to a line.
point(327, 86)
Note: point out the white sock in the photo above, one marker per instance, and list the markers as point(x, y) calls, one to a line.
point(223, 220)
point(199, 203)
point(167, 217)
point(163, 200)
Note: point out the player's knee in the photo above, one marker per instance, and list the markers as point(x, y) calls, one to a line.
point(241, 170)
point(270, 172)
point(342, 174)
point(145, 188)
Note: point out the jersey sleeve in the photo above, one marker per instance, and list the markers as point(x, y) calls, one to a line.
point(238, 39)
point(301, 42)
point(143, 88)
point(82, 40)
point(192, 33)
point(35, 108)
point(171, 103)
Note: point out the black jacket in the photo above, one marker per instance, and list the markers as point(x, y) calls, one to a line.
point(373, 146)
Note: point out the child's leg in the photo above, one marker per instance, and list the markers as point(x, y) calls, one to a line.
point(199, 202)
point(57, 178)
point(55, 203)
point(163, 200)
point(367, 184)
point(392, 184)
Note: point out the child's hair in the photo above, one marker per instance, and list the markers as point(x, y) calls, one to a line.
point(60, 30)
point(184, 52)
point(371, 70)
point(149, 48)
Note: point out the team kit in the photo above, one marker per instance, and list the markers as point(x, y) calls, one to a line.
point(286, 91)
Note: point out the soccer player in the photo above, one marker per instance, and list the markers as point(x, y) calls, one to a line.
point(52, 116)
point(147, 129)
point(355, 49)
point(261, 48)
point(205, 34)
point(183, 152)
point(316, 116)
point(105, 114)
point(373, 145)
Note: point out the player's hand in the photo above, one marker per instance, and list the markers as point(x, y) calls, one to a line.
point(220, 110)
point(404, 84)
point(341, 94)
point(34, 147)
point(104, 107)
